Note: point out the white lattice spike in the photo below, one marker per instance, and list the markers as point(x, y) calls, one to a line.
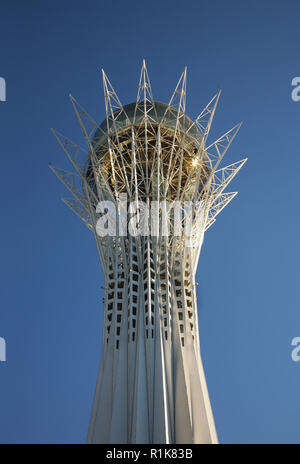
point(218, 205)
point(73, 182)
point(218, 149)
point(70, 180)
point(77, 155)
point(176, 108)
point(79, 210)
point(162, 188)
point(86, 122)
point(113, 106)
point(203, 123)
point(144, 101)
point(216, 152)
point(178, 99)
point(222, 177)
point(88, 126)
point(114, 113)
point(204, 120)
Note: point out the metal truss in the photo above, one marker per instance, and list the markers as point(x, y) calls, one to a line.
point(151, 386)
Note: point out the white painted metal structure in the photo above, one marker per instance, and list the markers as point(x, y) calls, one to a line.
point(151, 386)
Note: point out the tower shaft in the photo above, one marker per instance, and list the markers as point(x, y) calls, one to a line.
point(151, 386)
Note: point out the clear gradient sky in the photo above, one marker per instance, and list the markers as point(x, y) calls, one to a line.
point(248, 293)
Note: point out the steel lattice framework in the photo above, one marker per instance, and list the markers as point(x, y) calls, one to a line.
point(151, 386)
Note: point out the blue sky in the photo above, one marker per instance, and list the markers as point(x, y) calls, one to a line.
point(248, 275)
